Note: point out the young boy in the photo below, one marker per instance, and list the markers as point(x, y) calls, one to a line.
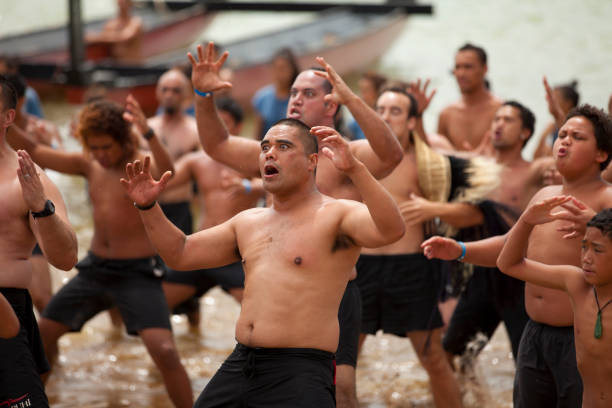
point(589, 289)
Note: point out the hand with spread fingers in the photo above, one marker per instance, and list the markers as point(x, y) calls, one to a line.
point(554, 107)
point(541, 211)
point(420, 94)
point(341, 93)
point(577, 214)
point(416, 210)
point(31, 186)
point(140, 185)
point(441, 248)
point(134, 114)
point(205, 74)
point(335, 147)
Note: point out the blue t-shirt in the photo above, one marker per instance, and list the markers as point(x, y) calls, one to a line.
point(356, 131)
point(32, 103)
point(269, 107)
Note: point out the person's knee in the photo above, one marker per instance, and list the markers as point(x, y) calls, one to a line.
point(434, 359)
point(164, 353)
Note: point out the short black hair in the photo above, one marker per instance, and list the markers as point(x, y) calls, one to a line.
point(570, 92)
point(9, 96)
point(480, 52)
point(527, 117)
point(231, 106)
point(602, 127)
point(414, 105)
point(309, 140)
point(603, 222)
point(19, 84)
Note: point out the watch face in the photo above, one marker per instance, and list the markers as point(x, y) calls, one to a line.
point(48, 210)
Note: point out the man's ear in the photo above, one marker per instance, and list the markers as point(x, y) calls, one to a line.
point(601, 156)
point(9, 117)
point(313, 159)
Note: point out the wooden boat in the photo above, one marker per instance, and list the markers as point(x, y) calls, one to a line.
point(349, 41)
point(177, 25)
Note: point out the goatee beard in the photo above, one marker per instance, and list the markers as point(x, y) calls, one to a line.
point(170, 110)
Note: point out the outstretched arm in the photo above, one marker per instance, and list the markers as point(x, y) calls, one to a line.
point(459, 215)
point(239, 153)
point(381, 152)
point(9, 324)
point(512, 260)
point(47, 157)
point(378, 222)
point(481, 253)
point(53, 233)
point(178, 251)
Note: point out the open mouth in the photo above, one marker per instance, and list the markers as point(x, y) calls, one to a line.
point(270, 170)
point(294, 113)
point(562, 152)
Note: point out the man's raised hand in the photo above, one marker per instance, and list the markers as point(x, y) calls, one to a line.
point(140, 185)
point(31, 186)
point(205, 70)
point(332, 145)
point(341, 93)
point(541, 211)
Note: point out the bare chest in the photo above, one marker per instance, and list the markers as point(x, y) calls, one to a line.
point(179, 139)
point(333, 183)
point(404, 179)
point(469, 125)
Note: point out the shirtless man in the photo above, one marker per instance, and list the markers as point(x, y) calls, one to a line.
point(121, 268)
point(546, 373)
point(298, 256)
point(588, 286)
point(398, 285)
point(33, 211)
point(489, 296)
point(222, 193)
point(179, 134)
point(123, 34)
point(315, 98)
point(465, 122)
point(46, 133)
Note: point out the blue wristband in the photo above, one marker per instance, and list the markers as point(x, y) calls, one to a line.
point(246, 183)
point(202, 94)
point(463, 250)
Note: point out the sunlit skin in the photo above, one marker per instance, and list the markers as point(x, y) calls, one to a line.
point(465, 122)
point(592, 354)
point(310, 103)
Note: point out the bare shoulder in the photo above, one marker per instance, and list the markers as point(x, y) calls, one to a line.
point(249, 217)
point(547, 192)
point(605, 194)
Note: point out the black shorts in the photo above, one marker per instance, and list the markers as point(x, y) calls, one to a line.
point(489, 298)
point(22, 358)
point(546, 370)
point(272, 378)
point(180, 215)
point(133, 285)
point(229, 277)
point(349, 318)
point(399, 293)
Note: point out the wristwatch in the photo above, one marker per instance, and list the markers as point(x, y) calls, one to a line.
point(48, 210)
point(148, 135)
